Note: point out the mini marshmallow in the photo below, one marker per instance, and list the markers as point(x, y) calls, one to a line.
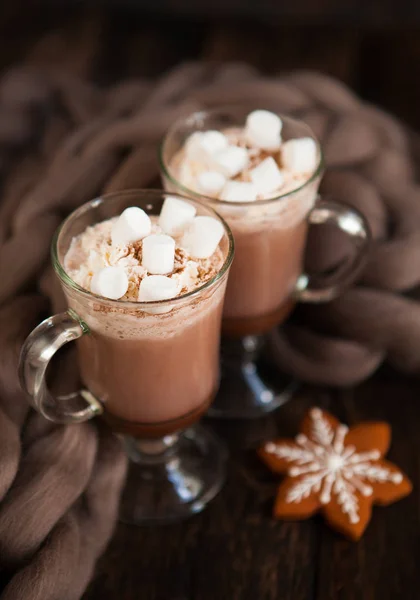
point(202, 144)
point(203, 236)
point(158, 254)
point(157, 287)
point(300, 155)
point(264, 120)
point(193, 145)
point(239, 191)
point(231, 161)
point(175, 215)
point(267, 177)
point(110, 282)
point(132, 225)
point(263, 130)
point(213, 141)
point(210, 182)
point(186, 172)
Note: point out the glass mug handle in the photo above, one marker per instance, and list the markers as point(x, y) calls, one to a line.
point(37, 351)
point(354, 224)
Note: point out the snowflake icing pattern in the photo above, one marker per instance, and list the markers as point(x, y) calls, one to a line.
point(321, 467)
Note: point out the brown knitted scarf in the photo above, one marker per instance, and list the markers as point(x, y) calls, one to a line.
point(62, 142)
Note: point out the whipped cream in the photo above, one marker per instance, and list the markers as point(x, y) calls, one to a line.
point(92, 250)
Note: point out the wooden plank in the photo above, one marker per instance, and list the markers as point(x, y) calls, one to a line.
point(384, 564)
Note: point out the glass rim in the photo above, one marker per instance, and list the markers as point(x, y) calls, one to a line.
point(214, 111)
point(155, 193)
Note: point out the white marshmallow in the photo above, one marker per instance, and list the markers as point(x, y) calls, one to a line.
point(202, 144)
point(230, 161)
point(300, 155)
point(239, 191)
point(264, 120)
point(263, 130)
point(193, 146)
point(257, 139)
point(132, 225)
point(213, 141)
point(267, 177)
point(175, 215)
point(187, 172)
point(157, 287)
point(211, 182)
point(203, 236)
point(110, 282)
point(158, 254)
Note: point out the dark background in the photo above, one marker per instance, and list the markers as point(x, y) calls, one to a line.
point(373, 46)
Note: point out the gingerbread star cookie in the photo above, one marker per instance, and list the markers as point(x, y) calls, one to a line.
point(335, 470)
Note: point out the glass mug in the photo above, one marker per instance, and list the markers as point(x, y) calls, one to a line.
point(267, 277)
point(150, 369)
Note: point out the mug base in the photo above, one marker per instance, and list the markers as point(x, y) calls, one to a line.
point(173, 478)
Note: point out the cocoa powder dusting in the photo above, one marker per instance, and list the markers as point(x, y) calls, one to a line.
point(209, 267)
point(137, 248)
point(180, 261)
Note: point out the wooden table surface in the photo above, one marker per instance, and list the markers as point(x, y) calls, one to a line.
point(235, 550)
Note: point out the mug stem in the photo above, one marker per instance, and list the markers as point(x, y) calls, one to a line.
point(153, 451)
point(248, 389)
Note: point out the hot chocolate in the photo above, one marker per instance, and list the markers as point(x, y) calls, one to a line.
point(144, 273)
point(264, 181)
point(152, 358)
point(261, 172)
